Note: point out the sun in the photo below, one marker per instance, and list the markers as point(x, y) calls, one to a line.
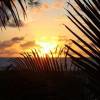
point(46, 47)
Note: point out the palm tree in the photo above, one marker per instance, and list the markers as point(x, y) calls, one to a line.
point(87, 20)
point(9, 6)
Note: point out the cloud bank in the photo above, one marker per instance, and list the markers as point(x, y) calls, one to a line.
point(11, 42)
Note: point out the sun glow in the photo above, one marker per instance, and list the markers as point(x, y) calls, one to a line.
point(46, 47)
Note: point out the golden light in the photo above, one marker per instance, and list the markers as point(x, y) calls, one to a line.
point(46, 47)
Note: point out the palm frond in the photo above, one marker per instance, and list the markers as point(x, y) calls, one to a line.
point(32, 61)
point(88, 22)
point(9, 6)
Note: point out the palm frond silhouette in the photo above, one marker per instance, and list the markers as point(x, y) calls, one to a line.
point(33, 62)
point(87, 20)
point(9, 6)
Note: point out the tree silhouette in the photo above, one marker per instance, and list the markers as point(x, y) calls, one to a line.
point(8, 8)
point(88, 22)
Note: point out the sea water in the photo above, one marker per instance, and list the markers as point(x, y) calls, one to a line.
point(4, 62)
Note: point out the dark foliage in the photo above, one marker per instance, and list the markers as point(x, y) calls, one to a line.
point(34, 62)
point(87, 20)
point(9, 6)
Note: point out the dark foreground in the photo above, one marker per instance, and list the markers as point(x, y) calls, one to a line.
point(34, 86)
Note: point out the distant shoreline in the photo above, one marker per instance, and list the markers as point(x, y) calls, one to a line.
point(5, 61)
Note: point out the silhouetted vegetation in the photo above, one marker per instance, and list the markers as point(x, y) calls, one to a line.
point(84, 68)
point(53, 62)
point(87, 20)
point(9, 8)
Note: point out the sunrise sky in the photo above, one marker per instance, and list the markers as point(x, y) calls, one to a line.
point(43, 27)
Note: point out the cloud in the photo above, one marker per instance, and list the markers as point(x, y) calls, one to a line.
point(28, 44)
point(17, 39)
point(11, 42)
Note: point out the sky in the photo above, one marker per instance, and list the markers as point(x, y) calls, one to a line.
point(43, 28)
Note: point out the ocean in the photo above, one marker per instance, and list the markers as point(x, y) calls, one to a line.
point(5, 62)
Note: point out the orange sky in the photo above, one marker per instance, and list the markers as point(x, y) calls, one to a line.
point(42, 25)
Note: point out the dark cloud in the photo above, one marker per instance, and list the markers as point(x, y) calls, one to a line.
point(17, 39)
point(9, 43)
point(5, 44)
point(28, 44)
